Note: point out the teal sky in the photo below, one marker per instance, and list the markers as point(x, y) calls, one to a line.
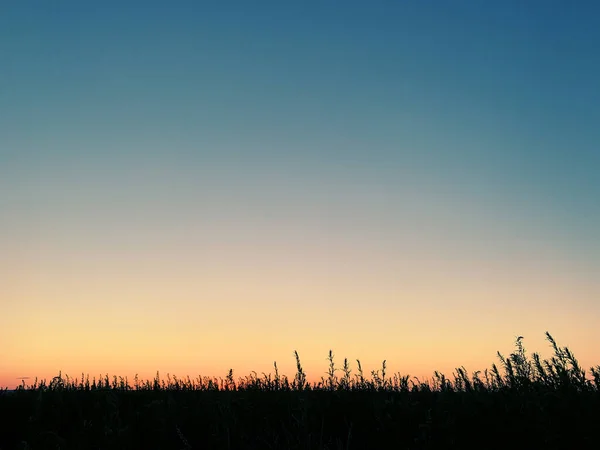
point(319, 143)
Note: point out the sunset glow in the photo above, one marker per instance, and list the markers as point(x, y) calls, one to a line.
point(187, 189)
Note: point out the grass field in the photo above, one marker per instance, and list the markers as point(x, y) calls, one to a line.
point(521, 402)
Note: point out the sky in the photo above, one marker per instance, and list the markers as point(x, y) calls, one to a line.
point(188, 187)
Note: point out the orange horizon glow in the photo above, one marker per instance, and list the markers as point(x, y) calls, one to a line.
point(314, 369)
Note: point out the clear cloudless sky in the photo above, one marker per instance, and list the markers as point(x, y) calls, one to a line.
point(193, 186)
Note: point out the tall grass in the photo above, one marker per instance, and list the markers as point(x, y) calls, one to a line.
point(516, 371)
point(551, 403)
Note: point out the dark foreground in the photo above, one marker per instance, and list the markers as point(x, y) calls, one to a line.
point(532, 404)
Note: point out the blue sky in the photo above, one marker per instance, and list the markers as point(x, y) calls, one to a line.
point(398, 131)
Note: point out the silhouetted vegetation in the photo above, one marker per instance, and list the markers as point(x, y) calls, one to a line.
point(524, 402)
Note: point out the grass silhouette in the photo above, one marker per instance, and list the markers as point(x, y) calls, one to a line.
point(524, 402)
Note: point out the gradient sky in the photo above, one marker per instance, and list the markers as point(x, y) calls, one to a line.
point(189, 186)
